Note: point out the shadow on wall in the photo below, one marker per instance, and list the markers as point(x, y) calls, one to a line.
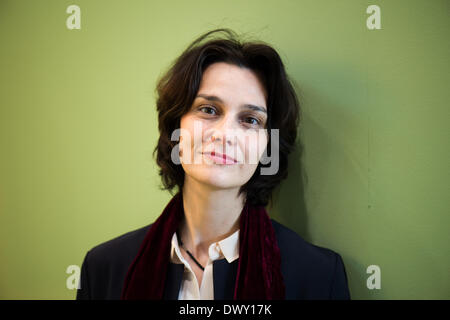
point(289, 203)
point(329, 152)
point(289, 207)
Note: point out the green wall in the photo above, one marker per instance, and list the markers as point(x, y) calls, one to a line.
point(78, 125)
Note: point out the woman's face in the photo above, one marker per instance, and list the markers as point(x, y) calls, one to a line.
point(228, 117)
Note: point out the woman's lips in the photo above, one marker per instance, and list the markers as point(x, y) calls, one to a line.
point(220, 158)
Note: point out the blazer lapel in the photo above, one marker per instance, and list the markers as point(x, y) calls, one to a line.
point(224, 275)
point(173, 281)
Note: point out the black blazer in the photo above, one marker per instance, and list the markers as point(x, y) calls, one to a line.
point(309, 271)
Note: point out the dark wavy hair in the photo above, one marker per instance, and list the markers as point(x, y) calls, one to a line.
point(178, 87)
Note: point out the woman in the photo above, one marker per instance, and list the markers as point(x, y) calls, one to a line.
point(222, 104)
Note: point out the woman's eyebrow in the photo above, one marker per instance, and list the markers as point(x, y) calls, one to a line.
point(217, 99)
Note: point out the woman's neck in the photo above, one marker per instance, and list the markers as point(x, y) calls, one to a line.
point(210, 215)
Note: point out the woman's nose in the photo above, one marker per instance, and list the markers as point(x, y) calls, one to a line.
point(225, 138)
point(224, 131)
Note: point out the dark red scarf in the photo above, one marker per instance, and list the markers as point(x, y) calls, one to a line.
point(259, 271)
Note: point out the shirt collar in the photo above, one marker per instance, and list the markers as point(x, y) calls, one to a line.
point(229, 248)
point(175, 254)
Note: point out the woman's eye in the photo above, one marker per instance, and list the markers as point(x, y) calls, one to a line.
point(212, 111)
point(255, 121)
point(207, 108)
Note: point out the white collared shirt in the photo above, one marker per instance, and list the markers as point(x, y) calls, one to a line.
point(227, 248)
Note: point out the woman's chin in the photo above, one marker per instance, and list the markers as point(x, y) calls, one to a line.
point(218, 180)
